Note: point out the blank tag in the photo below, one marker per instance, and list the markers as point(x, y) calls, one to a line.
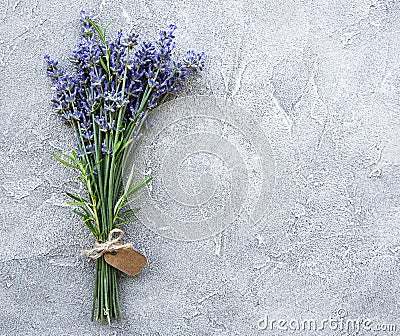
point(126, 260)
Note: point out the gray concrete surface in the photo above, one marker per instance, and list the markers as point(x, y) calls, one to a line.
point(320, 78)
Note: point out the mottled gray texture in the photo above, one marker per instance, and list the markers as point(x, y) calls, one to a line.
point(322, 80)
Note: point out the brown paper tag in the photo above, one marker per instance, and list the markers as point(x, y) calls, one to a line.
point(126, 260)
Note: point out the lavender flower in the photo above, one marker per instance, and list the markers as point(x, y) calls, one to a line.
point(95, 93)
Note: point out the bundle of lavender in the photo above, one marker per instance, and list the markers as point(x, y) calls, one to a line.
point(108, 101)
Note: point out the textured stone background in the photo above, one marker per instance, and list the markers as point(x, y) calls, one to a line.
point(320, 77)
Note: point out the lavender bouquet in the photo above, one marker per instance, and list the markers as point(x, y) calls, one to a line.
point(108, 101)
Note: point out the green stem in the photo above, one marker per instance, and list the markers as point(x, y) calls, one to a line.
point(95, 291)
point(106, 310)
point(119, 314)
point(98, 281)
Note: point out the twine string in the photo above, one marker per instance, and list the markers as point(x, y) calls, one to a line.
point(112, 244)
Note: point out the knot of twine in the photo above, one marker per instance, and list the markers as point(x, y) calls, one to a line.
point(109, 246)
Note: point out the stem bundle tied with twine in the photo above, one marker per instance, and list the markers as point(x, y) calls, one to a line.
point(108, 101)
